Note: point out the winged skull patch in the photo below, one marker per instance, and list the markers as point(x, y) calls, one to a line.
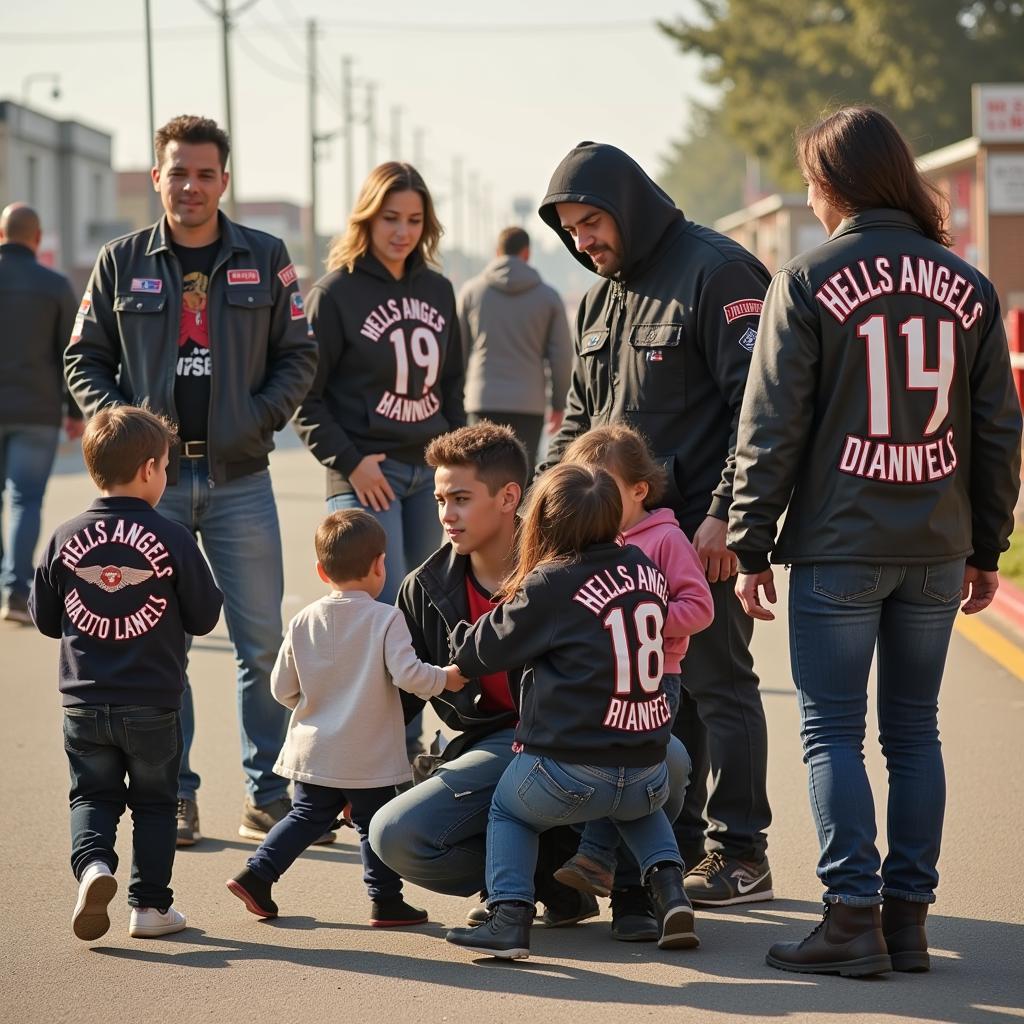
point(111, 577)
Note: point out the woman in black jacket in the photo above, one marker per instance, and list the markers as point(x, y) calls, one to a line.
point(880, 408)
point(390, 374)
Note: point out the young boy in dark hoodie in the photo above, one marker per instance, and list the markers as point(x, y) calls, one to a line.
point(120, 586)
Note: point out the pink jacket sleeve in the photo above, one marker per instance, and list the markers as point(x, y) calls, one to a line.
point(690, 607)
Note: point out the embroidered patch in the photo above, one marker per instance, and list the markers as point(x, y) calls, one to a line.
point(243, 277)
point(747, 339)
point(655, 355)
point(153, 285)
point(298, 310)
point(83, 309)
point(288, 275)
point(743, 307)
point(592, 341)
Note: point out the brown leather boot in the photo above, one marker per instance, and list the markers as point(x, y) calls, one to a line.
point(905, 937)
point(849, 941)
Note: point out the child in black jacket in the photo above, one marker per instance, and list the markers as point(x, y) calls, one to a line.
point(585, 617)
point(120, 586)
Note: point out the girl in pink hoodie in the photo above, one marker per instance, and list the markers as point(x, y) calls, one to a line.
point(624, 454)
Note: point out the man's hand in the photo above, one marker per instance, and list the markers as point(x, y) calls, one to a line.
point(73, 428)
point(454, 679)
point(748, 588)
point(370, 484)
point(978, 590)
point(555, 418)
point(709, 542)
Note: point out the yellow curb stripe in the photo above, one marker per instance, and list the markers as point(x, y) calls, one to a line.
point(991, 642)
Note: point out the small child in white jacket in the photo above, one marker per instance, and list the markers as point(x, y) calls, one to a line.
point(341, 661)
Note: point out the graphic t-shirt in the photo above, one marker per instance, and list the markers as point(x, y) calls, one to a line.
point(495, 695)
point(192, 378)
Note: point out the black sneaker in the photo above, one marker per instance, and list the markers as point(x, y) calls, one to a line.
point(394, 913)
point(720, 881)
point(258, 821)
point(16, 610)
point(188, 823)
point(505, 933)
point(672, 908)
point(633, 917)
point(574, 908)
point(254, 892)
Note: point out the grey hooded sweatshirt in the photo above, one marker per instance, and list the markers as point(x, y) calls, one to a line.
point(513, 326)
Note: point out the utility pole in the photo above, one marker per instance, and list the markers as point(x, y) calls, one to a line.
point(347, 135)
point(371, 124)
point(474, 213)
point(225, 30)
point(154, 201)
point(396, 133)
point(457, 238)
point(417, 150)
point(311, 253)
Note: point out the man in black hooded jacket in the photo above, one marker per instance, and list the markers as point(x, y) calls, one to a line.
point(663, 343)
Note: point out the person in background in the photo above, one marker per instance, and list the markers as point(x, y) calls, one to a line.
point(37, 310)
point(516, 342)
point(880, 415)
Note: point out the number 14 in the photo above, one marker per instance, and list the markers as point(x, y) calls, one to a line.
point(874, 331)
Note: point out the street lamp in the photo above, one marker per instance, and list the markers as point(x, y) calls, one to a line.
point(40, 76)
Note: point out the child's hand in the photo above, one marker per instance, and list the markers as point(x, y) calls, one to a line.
point(454, 679)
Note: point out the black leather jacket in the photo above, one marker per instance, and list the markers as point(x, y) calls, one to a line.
point(124, 346)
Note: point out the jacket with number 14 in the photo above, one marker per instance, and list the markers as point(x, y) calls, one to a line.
point(589, 637)
point(880, 408)
point(390, 374)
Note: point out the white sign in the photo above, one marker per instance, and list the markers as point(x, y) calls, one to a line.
point(999, 113)
point(1006, 182)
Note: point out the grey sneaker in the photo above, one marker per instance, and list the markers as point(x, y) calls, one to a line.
point(720, 881)
point(258, 821)
point(188, 823)
point(16, 610)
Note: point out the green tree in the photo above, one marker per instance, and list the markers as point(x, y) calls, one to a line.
point(782, 63)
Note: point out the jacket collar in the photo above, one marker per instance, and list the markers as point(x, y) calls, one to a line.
point(17, 249)
point(232, 239)
point(443, 576)
point(881, 218)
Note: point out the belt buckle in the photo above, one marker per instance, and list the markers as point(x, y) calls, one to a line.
point(195, 449)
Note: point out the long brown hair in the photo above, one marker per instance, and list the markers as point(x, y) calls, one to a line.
point(857, 160)
point(568, 509)
point(354, 241)
point(622, 451)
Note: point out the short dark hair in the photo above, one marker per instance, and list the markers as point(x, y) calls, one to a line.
point(624, 452)
point(512, 241)
point(497, 455)
point(120, 439)
point(192, 129)
point(347, 542)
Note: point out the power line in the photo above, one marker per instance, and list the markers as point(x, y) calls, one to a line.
point(265, 63)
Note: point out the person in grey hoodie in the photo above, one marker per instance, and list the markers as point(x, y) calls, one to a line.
point(513, 328)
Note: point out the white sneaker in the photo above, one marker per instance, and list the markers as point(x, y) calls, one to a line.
point(95, 891)
point(149, 923)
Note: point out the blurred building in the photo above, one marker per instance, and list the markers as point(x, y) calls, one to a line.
point(63, 170)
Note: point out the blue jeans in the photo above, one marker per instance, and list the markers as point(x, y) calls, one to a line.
point(410, 522)
point(537, 793)
point(600, 840)
point(104, 743)
point(237, 522)
point(26, 457)
point(314, 811)
point(435, 833)
point(838, 614)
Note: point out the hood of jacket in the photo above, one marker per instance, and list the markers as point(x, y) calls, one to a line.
point(511, 274)
point(659, 518)
point(369, 264)
point(601, 175)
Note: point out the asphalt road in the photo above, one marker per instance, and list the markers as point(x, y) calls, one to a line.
point(321, 961)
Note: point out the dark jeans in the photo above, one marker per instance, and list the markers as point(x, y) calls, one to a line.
point(314, 810)
point(528, 427)
point(105, 743)
point(721, 723)
point(838, 613)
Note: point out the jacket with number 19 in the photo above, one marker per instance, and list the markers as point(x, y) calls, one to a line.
point(664, 345)
point(124, 345)
point(880, 408)
point(390, 375)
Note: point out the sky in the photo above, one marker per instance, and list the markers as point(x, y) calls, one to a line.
point(507, 88)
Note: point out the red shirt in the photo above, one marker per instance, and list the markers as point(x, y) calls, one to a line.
point(495, 695)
